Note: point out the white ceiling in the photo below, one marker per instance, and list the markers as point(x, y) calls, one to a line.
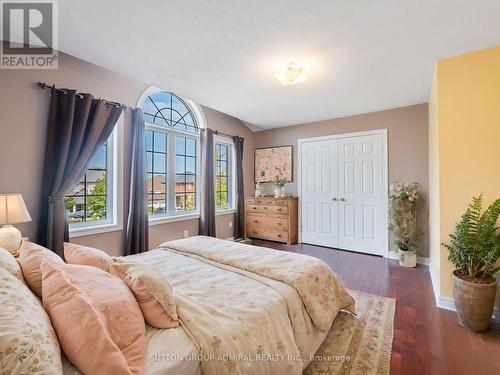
point(369, 55)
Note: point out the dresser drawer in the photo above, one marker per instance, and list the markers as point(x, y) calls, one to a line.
point(269, 234)
point(255, 220)
point(267, 209)
point(267, 201)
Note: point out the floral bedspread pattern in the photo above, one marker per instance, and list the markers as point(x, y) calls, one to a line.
point(321, 292)
point(28, 342)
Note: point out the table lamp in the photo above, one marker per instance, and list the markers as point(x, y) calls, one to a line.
point(12, 211)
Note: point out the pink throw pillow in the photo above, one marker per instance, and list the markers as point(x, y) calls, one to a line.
point(153, 293)
point(78, 254)
point(30, 257)
point(97, 320)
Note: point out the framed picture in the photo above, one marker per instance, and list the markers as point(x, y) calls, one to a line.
point(273, 161)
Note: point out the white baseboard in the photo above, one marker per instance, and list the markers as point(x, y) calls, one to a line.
point(446, 303)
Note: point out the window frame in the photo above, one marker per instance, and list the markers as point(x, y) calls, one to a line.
point(231, 186)
point(114, 190)
point(171, 215)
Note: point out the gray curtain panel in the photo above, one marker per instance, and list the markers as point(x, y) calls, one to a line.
point(239, 217)
point(136, 233)
point(207, 217)
point(77, 125)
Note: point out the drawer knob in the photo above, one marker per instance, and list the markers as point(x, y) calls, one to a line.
point(256, 221)
point(279, 235)
point(280, 224)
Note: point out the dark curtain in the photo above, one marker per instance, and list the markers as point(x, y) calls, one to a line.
point(77, 125)
point(136, 233)
point(239, 217)
point(207, 217)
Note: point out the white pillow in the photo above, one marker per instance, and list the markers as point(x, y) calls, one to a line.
point(28, 342)
point(9, 263)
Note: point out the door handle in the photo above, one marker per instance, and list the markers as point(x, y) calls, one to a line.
point(342, 199)
point(335, 199)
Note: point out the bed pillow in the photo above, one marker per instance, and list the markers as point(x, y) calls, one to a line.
point(9, 263)
point(28, 343)
point(152, 291)
point(78, 254)
point(30, 257)
point(96, 317)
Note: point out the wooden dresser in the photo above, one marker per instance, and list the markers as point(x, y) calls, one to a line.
point(272, 219)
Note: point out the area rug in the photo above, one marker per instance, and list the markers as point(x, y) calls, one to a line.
point(358, 344)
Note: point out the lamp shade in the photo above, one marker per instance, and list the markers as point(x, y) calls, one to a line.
point(13, 210)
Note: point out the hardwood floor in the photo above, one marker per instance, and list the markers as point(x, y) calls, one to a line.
point(427, 340)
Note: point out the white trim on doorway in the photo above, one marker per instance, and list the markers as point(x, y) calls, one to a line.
point(385, 166)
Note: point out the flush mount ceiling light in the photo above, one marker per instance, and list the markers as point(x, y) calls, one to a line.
point(291, 74)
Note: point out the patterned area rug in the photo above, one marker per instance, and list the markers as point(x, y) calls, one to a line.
point(358, 344)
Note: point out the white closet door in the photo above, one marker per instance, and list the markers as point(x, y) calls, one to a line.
point(361, 195)
point(319, 170)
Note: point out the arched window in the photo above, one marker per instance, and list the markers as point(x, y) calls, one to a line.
point(173, 155)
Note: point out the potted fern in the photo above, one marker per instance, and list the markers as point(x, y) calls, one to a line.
point(474, 249)
point(403, 200)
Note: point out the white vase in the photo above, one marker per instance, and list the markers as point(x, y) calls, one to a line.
point(258, 192)
point(407, 259)
point(278, 192)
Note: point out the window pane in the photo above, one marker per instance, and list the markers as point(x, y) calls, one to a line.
point(159, 163)
point(99, 158)
point(180, 164)
point(190, 202)
point(160, 142)
point(180, 202)
point(190, 183)
point(180, 145)
point(149, 182)
point(190, 147)
point(166, 109)
point(157, 204)
point(159, 185)
point(149, 162)
point(190, 165)
point(149, 140)
point(223, 152)
point(180, 183)
point(223, 168)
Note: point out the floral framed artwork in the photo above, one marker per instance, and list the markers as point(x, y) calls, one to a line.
point(273, 162)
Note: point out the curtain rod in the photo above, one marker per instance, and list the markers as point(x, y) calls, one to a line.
point(216, 132)
point(43, 85)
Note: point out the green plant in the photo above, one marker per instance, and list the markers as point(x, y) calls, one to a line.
point(403, 200)
point(279, 179)
point(474, 248)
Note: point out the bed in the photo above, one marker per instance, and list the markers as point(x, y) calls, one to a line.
point(243, 309)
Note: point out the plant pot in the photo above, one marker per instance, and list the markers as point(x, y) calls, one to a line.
point(474, 302)
point(407, 259)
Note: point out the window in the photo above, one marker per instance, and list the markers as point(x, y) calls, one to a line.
point(156, 160)
point(223, 175)
point(90, 202)
point(185, 174)
point(172, 142)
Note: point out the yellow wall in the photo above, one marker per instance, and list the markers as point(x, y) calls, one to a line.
point(466, 141)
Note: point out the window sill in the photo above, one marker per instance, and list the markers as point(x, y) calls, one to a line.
point(226, 211)
point(95, 229)
point(172, 219)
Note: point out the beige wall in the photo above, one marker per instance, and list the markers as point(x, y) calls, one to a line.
point(23, 116)
point(465, 152)
point(407, 146)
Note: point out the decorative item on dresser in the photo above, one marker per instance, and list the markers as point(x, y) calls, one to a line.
point(272, 219)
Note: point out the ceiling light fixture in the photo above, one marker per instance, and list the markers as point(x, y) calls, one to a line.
point(291, 74)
